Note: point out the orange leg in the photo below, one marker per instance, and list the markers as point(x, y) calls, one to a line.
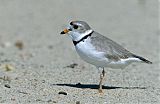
point(101, 81)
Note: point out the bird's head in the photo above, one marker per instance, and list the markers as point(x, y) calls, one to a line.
point(77, 29)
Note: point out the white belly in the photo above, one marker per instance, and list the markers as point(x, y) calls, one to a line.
point(88, 53)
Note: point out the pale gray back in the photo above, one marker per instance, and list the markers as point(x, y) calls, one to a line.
point(113, 50)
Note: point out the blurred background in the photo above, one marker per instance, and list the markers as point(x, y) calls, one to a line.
point(30, 40)
point(132, 23)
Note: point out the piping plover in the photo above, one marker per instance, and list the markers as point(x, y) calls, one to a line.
point(99, 50)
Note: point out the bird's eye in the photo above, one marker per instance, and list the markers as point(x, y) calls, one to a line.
point(75, 26)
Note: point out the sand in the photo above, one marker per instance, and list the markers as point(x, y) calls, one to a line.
point(35, 58)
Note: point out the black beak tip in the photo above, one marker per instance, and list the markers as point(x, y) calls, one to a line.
point(62, 32)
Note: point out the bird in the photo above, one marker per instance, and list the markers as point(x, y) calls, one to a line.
point(98, 50)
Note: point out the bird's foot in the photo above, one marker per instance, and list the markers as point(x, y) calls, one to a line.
point(100, 91)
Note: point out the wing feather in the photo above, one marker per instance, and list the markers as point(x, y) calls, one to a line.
point(112, 49)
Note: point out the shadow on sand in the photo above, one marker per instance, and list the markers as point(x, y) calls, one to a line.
point(93, 86)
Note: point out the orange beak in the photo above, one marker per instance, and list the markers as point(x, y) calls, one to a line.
point(65, 31)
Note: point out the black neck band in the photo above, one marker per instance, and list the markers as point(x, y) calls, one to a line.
point(85, 37)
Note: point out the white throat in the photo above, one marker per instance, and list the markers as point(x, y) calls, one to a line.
point(77, 36)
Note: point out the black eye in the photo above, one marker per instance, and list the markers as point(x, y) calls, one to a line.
point(75, 26)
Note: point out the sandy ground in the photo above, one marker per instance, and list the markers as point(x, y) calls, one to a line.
point(37, 72)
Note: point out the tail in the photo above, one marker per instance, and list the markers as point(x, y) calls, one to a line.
point(142, 59)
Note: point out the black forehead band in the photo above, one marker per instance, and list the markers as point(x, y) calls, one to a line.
point(71, 23)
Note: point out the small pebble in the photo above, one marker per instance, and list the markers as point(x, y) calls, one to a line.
point(7, 85)
point(43, 81)
point(19, 44)
point(77, 102)
point(72, 65)
point(13, 99)
point(62, 92)
point(22, 92)
point(38, 100)
point(50, 101)
point(9, 67)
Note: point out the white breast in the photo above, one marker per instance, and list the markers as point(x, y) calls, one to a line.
point(88, 53)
